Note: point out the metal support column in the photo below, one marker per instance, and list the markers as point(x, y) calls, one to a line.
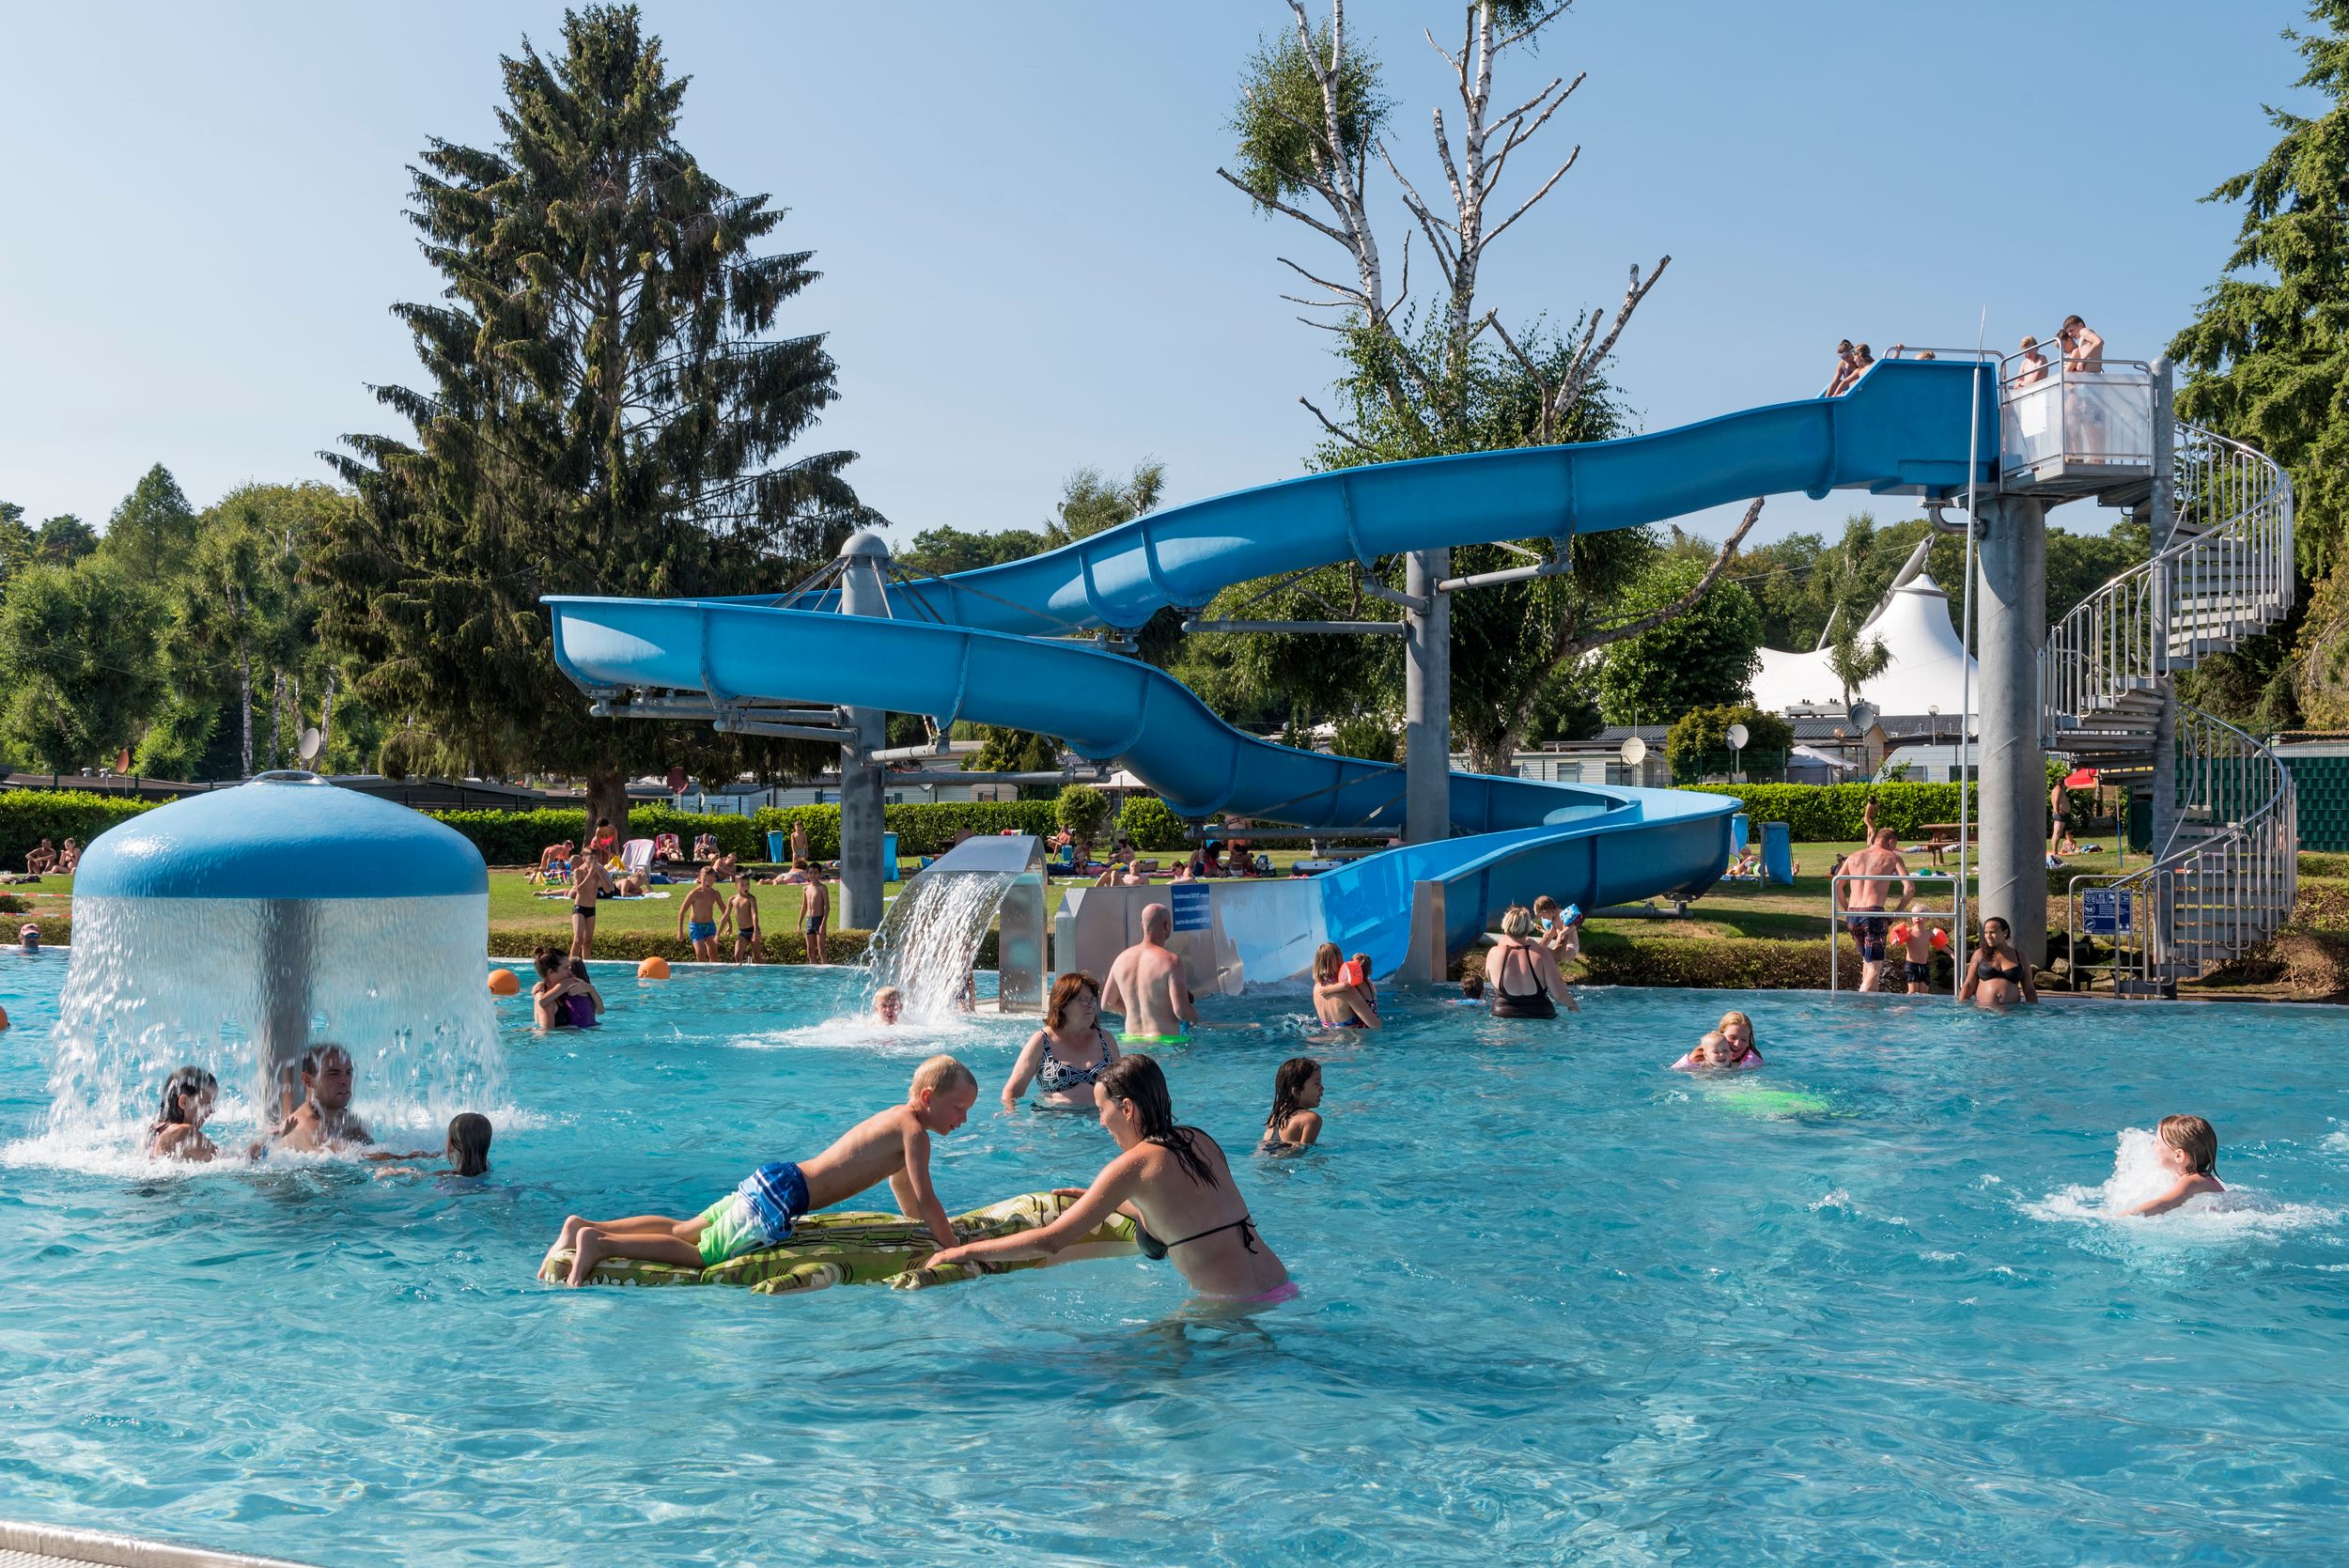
point(2164, 519)
point(1427, 701)
point(866, 557)
point(2013, 788)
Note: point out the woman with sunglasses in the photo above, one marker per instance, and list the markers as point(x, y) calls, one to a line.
point(1998, 975)
point(1174, 1181)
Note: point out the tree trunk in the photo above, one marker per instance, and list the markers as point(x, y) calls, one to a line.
point(276, 715)
point(245, 707)
point(326, 717)
point(607, 795)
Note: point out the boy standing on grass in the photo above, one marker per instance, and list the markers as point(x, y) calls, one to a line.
point(697, 917)
point(895, 1145)
point(814, 910)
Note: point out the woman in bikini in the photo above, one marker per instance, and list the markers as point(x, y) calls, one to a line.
point(1068, 1055)
point(1174, 1181)
point(1520, 976)
point(1998, 974)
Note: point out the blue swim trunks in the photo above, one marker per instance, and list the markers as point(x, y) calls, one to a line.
point(759, 1213)
point(700, 930)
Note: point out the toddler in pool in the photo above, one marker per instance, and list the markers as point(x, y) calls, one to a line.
point(2187, 1147)
point(1728, 1043)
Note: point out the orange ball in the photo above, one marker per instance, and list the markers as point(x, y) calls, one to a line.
point(654, 967)
point(4, 1017)
point(504, 984)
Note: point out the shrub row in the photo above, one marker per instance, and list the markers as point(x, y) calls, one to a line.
point(778, 947)
point(29, 815)
point(1829, 814)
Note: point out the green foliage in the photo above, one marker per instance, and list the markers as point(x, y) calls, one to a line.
point(780, 943)
point(1746, 964)
point(1854, 658)
point(1829, 814)
point(29, 815)
point(1366, 735)
point(1084, 811)
point(1280, 121)
point(929, 828)
point(2267, 354)
point(1002, 750)
point(153, 532)
point(63, 540)
point(944, 550)
point(79, 668)
point(608, 413)
point(1147, 821)
point(516, 837)
point(1705, 655)
point(1701, 731)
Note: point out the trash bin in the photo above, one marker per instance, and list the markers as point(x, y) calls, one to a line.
point(1739, 828)
point(889, 856)
point(778, 845)
point(1778, 853)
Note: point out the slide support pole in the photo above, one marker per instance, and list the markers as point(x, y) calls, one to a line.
point(1427, 701)
point(863, 558)
point(2013, 775)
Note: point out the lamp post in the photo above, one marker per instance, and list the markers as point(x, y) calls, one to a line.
point(1933, 713)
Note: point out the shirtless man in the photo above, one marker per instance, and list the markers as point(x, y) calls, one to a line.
point(742, 919)
point(2083, 347)
point(762, 1211)
point(814, 910)
point(1880, 858)
point(700, 907)
point(323, 1120)
point(548, 858)
point(1122, 875)
point(1146, 986)
point(589, 881)
point(40, 862)
point(798, 842)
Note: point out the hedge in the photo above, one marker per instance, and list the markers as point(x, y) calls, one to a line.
point(776, 947)
point(1829, 814)
point(29, 815)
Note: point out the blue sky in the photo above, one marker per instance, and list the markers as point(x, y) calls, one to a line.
point(1030, 264)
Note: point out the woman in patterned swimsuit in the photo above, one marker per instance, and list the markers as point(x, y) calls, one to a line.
point(1069, 1054)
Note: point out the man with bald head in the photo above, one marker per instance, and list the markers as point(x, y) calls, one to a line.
point(1146, 986)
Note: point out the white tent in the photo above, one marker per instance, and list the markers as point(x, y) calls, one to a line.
point(1928, 668)
point(1812, 754)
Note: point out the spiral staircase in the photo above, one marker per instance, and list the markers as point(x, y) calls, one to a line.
point(2224, 870)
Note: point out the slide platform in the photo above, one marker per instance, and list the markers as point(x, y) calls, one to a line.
point(992, 646)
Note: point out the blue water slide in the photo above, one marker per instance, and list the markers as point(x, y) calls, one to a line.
point(981, 646)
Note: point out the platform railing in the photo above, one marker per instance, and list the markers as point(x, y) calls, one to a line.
point(2051, 414)
point(1838, 915)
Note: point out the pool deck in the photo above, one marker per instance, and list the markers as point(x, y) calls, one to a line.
point(50, 1546)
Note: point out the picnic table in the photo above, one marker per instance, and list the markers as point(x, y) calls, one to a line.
point(1940, 836)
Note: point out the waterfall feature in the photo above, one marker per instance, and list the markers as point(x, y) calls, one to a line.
point(237, 930)
point(931, 936)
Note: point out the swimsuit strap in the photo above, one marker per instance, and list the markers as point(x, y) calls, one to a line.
point(1245, 1225)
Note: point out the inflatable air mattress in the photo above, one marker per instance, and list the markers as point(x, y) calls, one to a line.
point(829, 1248)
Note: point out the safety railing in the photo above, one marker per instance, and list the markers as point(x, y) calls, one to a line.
point(2229, 885)
point(2053, 417)
point(1838, 917)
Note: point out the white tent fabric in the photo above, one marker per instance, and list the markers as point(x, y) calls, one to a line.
point(1812, 753)
point(1928, 668)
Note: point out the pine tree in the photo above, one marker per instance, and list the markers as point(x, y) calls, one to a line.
point(2267, 355)
point(609, 412)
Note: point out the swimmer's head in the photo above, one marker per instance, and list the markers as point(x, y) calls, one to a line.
point(1472, 985)
point(942, 1093)
point(548, 962)
point(1075, 990)
point(1296, 1086)
point(328, 1076)
point(889, 1001)
point(1735, 1026)
point(28, 937)
point(1712, 1050)
point(469, 1143)
point(189, 1095)
point(2193, 1138)
point(1518, 921)
point(1327, 959)
point(1158, 923)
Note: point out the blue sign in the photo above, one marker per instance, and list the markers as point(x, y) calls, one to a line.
point(2108, 911)
point(1190, 906)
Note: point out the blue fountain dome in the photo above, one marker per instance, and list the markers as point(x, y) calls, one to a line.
point(282, 836)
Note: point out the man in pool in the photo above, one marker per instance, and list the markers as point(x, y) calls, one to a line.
point(1864, 901)
point(1146, 986)
point(761, 1212)
point(323, 1122)
point(697, 916)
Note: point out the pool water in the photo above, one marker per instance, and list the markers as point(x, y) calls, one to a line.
point(1559, 1305)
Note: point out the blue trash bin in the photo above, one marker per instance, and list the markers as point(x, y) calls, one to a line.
point(1739, 828)
point(889, 856)
point(1778, 853)
point(778, 845)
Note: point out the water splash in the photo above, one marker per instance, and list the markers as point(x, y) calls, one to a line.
point(930, 938)
point(156, 984)
point(2239, 1213)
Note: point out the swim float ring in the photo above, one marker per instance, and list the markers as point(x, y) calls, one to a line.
point(829, 1248)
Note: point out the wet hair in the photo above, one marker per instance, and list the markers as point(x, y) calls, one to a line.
point(1287, 1083)
point(942, 1075)
point(548, 961)
point(1326, 958)
point(578, 968)
point(315, 1057)
point(1472, 985)
point(469, 1143)
point(1999, 920)
point(886, 994)
point(1517, 920)
point(1733, 1016)
point(1362, 961)
point(184, 1084)
point(1136, 1079)
point(2198, 1137)
point(1065, 990)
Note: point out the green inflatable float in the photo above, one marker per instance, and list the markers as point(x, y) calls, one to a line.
point(835, 1248)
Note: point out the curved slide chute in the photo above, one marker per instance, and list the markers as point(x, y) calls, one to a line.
point(968, 646)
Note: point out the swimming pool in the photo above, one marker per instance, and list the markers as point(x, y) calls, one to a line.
point(1559, 1305)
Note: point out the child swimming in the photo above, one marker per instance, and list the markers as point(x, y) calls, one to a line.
point(2187, 1147)
point(468, 1148)
point(189, 1096)
point(1295, 1122)
point(887, 1003)
point(1727, 1044)
point(563, 997)
point(1472, 990)
point(895, 1145)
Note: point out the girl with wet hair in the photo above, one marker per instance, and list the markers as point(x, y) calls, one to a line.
point(1295, 1122)
point(189, 1096)
point(1174, 1181)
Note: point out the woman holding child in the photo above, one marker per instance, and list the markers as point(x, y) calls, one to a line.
point(1175, 1180)
point(1521, 972)
point(1067, 1056)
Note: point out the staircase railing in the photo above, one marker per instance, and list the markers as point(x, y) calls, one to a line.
point(2226, 877)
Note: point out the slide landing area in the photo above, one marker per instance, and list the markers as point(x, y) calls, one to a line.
point(993, 646)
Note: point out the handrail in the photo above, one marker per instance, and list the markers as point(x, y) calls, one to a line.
point(1836, 914)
